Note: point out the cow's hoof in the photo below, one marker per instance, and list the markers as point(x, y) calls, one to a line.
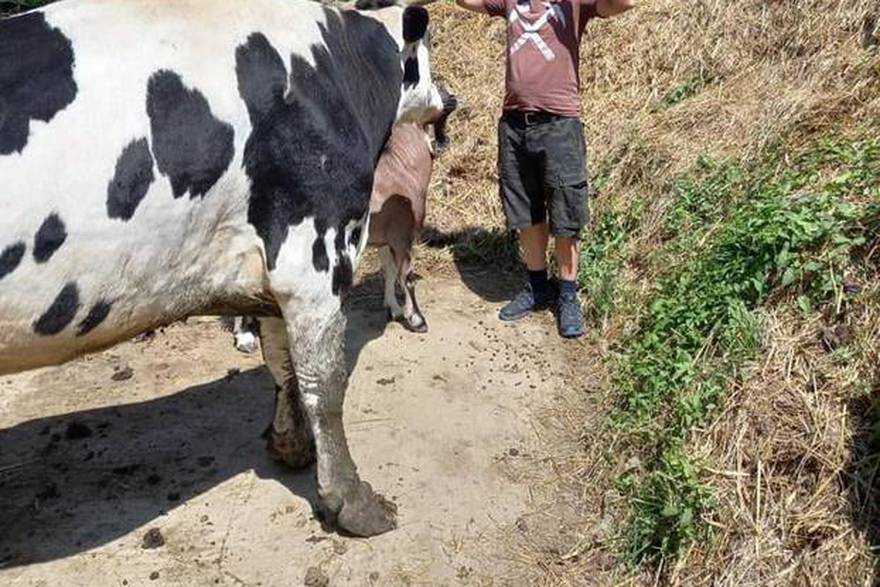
point(416, 323)
point(296, 454)
point(246, 342)
point(366, 513)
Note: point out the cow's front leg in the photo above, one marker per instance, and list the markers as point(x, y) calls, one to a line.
point(317, 345)
point(243, 332)
point(289, 437)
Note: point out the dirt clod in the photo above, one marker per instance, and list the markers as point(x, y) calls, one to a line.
point(315, 577)
point(123, 374)
point(153, 539)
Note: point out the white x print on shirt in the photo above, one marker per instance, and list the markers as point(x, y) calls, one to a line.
point(532, 29)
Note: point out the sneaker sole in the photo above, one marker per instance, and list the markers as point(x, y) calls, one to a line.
point(525, 314)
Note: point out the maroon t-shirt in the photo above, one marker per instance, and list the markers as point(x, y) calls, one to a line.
point(543, 52)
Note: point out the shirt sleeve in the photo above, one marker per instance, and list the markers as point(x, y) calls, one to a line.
point(496, 7)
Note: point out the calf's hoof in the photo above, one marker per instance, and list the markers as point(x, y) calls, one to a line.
point(297, 453)
point(416, 323)
point(366, 513)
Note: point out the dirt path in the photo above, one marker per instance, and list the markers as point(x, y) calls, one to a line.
point(165, 434)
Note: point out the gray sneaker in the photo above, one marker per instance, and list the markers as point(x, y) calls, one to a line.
point(527, 302)
point(570, 316)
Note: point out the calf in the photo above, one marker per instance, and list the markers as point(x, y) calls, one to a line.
point(397, 212)
point(218, 160)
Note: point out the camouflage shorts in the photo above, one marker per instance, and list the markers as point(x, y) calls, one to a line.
point(543, 172)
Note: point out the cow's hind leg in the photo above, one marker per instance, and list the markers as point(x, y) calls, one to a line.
point(289, 437)
point(317, 345)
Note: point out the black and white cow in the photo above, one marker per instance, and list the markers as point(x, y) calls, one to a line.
point(166, 159)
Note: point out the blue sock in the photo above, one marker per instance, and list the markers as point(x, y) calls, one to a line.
point(538, 282)
point(567, 287)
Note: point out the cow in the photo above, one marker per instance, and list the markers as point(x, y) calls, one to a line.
point(204, 157)
point(397, 213)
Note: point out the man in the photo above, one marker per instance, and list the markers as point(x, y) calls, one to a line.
point(541, 150)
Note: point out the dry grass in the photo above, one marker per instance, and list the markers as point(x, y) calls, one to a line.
point(779, 70)
point(793, 463)
point(793, 467)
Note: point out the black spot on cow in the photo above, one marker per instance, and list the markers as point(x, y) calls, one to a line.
point(10, 258)
point(316, 138)
point(410, 72)
point(415, 23)
point(343, 276)
point(96, 315)
point(61, 313)
point(355, 238)
point(131, 181)
point(36, 77)
point(374, 4)
point(49, 238)
point(319, 256)
point(192, 147)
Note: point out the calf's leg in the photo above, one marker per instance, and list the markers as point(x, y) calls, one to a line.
point(317, 348)
point(413, 319)
point(390, 268)
point(289, 437)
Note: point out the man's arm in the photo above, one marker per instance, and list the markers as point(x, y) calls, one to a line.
point(605, 8)
point(473, 5)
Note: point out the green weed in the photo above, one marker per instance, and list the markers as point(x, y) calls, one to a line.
point(694, 84)
point(744, 235)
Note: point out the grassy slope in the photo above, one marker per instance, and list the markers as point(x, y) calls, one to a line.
point(730, 274)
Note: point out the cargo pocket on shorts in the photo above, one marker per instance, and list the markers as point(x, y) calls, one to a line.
point(569, 210)
point(568, 183)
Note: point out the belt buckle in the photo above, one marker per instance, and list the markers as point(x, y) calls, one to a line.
point(527, 118)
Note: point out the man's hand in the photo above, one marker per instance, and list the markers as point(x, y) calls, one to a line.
point(609, 8)
point(472, 5)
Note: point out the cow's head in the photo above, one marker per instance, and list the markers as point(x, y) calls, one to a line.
point(407, 21)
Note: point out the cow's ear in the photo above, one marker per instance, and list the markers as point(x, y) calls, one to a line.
point(415, 23)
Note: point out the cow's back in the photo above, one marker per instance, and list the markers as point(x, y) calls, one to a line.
point(129, 158)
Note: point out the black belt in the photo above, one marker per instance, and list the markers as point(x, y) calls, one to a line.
point(530, 118)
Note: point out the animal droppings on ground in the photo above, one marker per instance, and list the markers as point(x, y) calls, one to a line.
point(153, 539)
point(123, 374)
point(315, 577)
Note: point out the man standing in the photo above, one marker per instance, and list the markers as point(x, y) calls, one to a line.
point(541, 149)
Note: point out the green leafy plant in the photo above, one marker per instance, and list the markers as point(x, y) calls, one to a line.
point(742, 236)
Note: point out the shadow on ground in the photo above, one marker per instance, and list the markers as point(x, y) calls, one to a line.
point(73, 482)
point(861, 474)
point(487, 260)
